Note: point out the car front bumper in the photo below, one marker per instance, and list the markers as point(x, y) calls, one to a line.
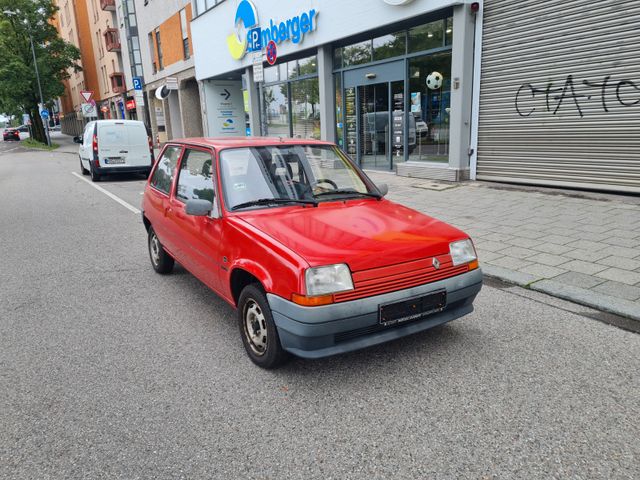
point(316, 332)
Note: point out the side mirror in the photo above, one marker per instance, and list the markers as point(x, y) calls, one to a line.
point(77, 140)
point(199, 208)
point(383, 188)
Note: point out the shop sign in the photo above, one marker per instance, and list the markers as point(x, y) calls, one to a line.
point(251, 37)
point(226, 113)
point(131, 104)
point(138, 95)
point(171, 83)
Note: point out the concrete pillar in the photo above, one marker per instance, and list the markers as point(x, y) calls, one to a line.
point(190, 112)
point(461, 87)
point(254, 104)
point(327, 100)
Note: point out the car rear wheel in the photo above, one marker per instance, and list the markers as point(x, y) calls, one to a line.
point(83, 170)
point(161, 261)
point(94, 176)
point(258, 331)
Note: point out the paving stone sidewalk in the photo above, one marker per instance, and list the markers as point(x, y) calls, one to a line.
point(580, 246)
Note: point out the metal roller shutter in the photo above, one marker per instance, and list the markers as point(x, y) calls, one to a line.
point(560, 93)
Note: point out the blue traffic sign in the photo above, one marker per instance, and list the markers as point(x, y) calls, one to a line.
point(44, 114)
point(137, 83)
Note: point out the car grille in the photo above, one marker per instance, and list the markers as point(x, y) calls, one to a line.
point(377, 281)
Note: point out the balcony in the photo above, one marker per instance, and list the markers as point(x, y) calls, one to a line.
point(108, 5)
point(112, 40)
point(117, 82)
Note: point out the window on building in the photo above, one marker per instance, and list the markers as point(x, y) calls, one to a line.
point(159, 50)
point(185, 34)
point(291, 103)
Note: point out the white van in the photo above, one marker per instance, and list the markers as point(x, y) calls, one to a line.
point(115, 146)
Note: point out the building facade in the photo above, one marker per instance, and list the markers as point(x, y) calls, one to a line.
point(388, 80)
point(559, 101)
point(166, 49)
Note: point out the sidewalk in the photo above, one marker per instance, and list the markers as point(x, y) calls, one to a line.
point(580, 246)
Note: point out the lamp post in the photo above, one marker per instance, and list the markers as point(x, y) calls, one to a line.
point(35, 65)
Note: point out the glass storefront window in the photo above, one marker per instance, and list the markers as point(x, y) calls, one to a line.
point(388, 46)
point(357, 54)
point(305, 108)
point(339, 116)
point(448, 33)
point(337, 58)
point(271, 74)
point(308, 66)
point(430, 102)
point(276, 110)
point(426, 37)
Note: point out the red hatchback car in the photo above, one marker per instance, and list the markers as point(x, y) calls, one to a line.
point(296, 237)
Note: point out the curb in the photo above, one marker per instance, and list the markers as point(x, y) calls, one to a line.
point(582, 296)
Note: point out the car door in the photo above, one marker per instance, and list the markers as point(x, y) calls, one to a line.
point(136, 151)
point(199, 237)
point(157, 194)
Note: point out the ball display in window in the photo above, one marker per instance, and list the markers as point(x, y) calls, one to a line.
point(434, 80)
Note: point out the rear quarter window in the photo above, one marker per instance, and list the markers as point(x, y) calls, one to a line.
point(164, 172)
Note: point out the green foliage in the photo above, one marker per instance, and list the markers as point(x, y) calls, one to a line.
point(55, 57)
point(30, 143)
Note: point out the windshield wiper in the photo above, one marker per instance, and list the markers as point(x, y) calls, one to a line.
point(273, 201)
point(348, 191)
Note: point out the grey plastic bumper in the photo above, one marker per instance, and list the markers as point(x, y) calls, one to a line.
point(310, 332)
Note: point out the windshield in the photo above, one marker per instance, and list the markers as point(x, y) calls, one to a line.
point(299, 173)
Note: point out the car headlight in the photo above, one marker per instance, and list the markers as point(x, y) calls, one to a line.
point(329, 279)
point(462, 252)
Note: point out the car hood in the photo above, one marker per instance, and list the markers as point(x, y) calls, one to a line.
point(362, 233)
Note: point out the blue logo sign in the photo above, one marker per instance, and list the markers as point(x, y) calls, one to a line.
point(137, 83)
point(44, 114)
point(250, 37)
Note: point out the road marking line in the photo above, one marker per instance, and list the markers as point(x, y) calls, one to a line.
point(10, 150)
point(108, 194)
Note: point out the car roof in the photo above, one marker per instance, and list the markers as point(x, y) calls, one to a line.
point(114, 121)
point(235, 142)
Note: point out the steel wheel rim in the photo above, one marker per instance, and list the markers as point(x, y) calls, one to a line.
point(154, 247)
point(255, 327)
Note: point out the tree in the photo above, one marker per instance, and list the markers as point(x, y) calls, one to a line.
point(55, 57)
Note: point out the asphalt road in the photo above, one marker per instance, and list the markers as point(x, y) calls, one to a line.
point(108, 370)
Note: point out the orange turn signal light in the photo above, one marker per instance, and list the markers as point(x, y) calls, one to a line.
point(473, 265)
point(311, 301)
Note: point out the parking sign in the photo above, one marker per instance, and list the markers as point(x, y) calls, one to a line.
point(137, 83)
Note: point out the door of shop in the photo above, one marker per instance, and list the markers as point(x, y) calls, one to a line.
point(375, 118)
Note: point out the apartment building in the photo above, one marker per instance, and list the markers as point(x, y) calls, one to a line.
point(72, 25)
point(166, 49)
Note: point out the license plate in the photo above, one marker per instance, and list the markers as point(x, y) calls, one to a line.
point(114, 160)
point(413, 309)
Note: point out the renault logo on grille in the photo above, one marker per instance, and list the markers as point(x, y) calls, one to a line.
point(436, 263)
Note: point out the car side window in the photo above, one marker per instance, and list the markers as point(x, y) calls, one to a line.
point(195, 180)
point(163, 174)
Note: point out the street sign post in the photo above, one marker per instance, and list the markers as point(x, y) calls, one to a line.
point(258, 69)
point(89, 110)
point(138, 95)
point(86, 94)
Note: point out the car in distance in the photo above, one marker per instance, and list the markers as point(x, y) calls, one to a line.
point(11, 134)
point(114, 146)
point(301, 242)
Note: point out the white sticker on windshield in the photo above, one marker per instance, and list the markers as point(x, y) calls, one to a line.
point(239, 186)
point(239, 166)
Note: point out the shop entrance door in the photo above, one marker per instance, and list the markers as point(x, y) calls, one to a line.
point(374, 107)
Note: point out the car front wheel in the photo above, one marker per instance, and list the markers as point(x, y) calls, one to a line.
point(161, 261)
point(258, 331)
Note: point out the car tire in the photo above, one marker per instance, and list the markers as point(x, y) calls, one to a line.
point(161, 261)
point(83, 170)
point(258, 330)
point(94, 176)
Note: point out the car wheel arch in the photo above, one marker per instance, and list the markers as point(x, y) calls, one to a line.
point(241, 277)
point(146, 222)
